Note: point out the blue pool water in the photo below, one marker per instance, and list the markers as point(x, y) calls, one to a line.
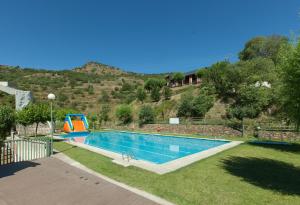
point(153, 148)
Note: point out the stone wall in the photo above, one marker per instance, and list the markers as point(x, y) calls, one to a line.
point(205, 130)
point(279, 135)
point(43, 129)
point(208, 130)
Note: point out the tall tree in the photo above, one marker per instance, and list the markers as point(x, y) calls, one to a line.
point(290, 73)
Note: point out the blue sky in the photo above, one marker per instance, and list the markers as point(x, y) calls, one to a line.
point(148, 36)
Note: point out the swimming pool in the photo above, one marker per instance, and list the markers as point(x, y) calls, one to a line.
point(157, 149)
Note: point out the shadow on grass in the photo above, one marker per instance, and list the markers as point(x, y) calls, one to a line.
point(293, 148)
point(11, 169)
point(266, 173)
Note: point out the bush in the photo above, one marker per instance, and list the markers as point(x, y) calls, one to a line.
point(167, 92)
point(155, 95)
point(141, 94)
point(196, 106)
point(104, 98)
point(7, 120)
point(104, 113)
point(146, 115)
point(124, 114)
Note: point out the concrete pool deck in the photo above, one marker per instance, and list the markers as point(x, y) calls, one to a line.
point(159, 168)
point(60, 180)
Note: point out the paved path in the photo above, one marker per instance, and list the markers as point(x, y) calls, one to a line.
point(51, 181)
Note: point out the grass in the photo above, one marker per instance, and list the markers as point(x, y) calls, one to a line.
point(247, 174)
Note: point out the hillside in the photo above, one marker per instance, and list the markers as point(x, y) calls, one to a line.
point(81, 88)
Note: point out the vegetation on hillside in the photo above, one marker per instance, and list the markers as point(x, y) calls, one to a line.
point(264, 82)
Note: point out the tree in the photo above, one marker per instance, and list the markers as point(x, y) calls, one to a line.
point(167, 93)
point(141, 94)
point(250, 101)
point(23, 117)
point(104, 113)
point(185, 108)
point(196, 106)
point(290, 78)
point(266, 47)
point(38, 113)
point(7, 121)
point(124, 114)
point(146, 115)
point(153, 83)
point(178, 77)
point(155, 94)
point(203, 102)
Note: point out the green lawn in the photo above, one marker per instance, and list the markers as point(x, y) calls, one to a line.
point(247, 174)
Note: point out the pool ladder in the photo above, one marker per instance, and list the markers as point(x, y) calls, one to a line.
point(128, 156)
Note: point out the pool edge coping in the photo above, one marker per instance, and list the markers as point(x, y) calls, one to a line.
point(160, 168)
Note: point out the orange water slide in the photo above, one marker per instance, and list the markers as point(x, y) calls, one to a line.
point(78, 125)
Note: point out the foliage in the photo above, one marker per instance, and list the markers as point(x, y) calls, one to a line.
point(290, 91)
point(266, 47)
point(37, 113)
point(167, 92)
point(250, 101)
point(155, 94)
point(7, 121)
point(124, 114)
point(104, 113)
point(198, 106)
point(104, 97)
point(178, 77)
point(154, 83)
point(203, 102)
point(24, 118)
point(146, 115)
point(60, 114)
point(90, 89)
point(185, 108)
point(141, 94)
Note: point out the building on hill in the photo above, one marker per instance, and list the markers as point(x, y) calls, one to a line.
point(190, 78)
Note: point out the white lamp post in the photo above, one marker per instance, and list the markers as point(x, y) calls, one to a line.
point(51, 97)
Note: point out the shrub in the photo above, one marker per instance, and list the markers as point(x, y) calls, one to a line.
point(124, 114)
point(104, 97)
point(104, 113)
point(141, 94)
point(155, 95)
point(146, 115)
point(167, 92)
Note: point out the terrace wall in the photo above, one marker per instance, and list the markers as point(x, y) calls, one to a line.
point(205, 130)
